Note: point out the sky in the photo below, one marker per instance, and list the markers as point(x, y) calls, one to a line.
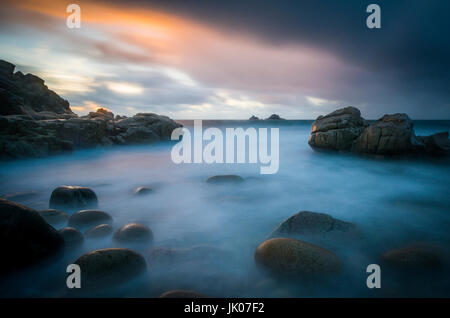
point(231, 59)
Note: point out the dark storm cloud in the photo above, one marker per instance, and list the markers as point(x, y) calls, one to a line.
point(410, 53)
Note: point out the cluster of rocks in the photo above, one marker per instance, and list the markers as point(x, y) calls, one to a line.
point(345, 130)
point(289, 253)
point(271, 117)
point(36, 122)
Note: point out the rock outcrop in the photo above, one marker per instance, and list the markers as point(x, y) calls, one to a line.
point(274, 117)
point(337, 130)
point(345, 129)
point(36, 122)
point(253, 118)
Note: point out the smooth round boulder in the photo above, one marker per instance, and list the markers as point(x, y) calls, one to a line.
point(230, 178)
point(88, 218)
point(134, 233)
point(181, 293)
point(99, 231)
point(142, 191)
point(73, 198)
point(72, 237)
point(110, 267)
point(291, 257)
point(55, 218)
point(25, 237)
point(415, 257)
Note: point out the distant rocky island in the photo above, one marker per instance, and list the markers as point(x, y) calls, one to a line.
point(271, 117)
point(37, 122)
point(345, 130)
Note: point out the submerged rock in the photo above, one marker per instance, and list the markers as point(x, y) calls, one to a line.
point(167, 257)
point(416, 257)
point(99, 231)
point(88, 218)
point(25, 237)
point(141, 191)
point(315, 224)
point(54, 217)
point(110, 267)
point(72, 237)
point(134, 233)
point(73, 198)
point(337, 130)
point(180, 293)
point(291, 257)
point(225, 179)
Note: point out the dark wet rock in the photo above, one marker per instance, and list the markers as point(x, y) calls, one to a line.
point(253, 118)
point(25, 237)
point(110, 267)
point(72, 237)
point(99, 231)
point(291, 257)
point(307, 223)
point(274, 117)
point(142, 191)
point(225, 179)
point(337, 130)
point(181, 293)
point(73, 198)
point(88, 218)
point(390, 135)
point(134, 233)
point(54, 217)
point(415, 257)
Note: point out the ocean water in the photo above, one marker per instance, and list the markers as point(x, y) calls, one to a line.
point(394, 203)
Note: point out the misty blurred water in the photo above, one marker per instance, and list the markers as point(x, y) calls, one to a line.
point(394, 203)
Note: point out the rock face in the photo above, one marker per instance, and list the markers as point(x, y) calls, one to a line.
point(391, 134)
point(72, 237)
point(307, 223)
point(88, 218)
point(54, 217)
point(25, 237)
point(27, 94)
point(73, 198)
point(134, 233)
point(225, 179)
point(291, 257)
point(337, 130)
point(36, 122)
point(110, 267)
point(417, 257)
point(345, 129)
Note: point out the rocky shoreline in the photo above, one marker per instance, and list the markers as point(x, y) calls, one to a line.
point(36, 122)
point(345, 130)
